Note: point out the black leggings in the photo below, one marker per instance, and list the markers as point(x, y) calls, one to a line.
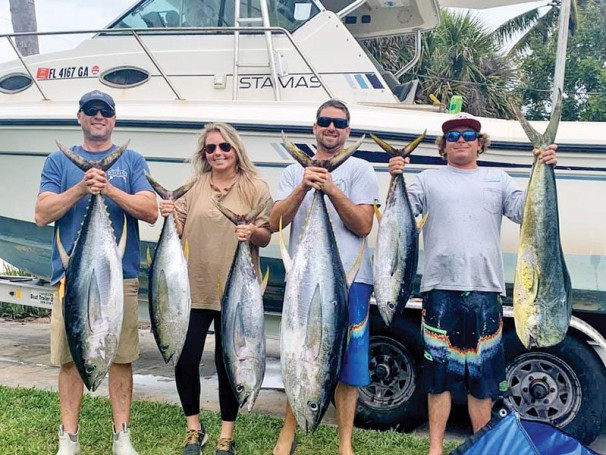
point(187, 371)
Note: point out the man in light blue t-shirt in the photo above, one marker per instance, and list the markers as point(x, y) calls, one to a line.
point(350, 191)
point(463, 272)
point(64, 195)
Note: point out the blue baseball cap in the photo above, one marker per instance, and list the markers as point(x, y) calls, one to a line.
point(97, 95)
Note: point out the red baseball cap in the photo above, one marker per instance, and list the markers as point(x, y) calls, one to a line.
point(462, 119)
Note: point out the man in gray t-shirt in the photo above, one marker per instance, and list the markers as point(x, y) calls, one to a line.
point(350, 191)
point(463, 272)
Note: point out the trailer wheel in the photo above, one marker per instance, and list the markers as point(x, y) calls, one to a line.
point(562, 385)
point(394, 399)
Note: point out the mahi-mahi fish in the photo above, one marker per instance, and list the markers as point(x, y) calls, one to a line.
point(542, 297)
point(169, 296)
point(397, 249)
point(94, 296)
point(243, 319)
point(314, 328)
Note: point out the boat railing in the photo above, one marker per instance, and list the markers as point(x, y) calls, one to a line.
point(139, 33)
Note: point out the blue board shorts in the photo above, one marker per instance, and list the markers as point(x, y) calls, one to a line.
point(354, 368)
point(462, 337)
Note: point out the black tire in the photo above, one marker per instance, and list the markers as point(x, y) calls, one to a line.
point(395, 398)
point(562, 385)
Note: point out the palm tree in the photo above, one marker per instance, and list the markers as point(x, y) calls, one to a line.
point(460, 57)
point(534, 24)
point(23, 15)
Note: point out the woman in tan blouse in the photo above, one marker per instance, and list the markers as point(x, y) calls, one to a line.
point(225, 173)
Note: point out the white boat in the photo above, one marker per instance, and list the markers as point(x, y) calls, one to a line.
point(264, 68)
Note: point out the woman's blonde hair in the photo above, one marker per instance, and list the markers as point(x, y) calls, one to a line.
point(483, 138)
point(244, 165)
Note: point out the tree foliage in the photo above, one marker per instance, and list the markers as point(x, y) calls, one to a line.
point(585, 78)
point(460, 57)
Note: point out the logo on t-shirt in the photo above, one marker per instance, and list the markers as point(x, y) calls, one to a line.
point(117, 173)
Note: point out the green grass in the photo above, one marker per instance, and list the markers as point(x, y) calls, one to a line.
point(29, 419)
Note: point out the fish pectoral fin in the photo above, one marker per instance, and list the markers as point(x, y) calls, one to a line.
point(239, 339)
point(62, 253)
point(353, 272)
point(313, 335)
point(377, 211)
point(95, 315)
point(263, 284)
point(395, 260)
point(286, 259)
point(123, 237)
point(422, 221)
point(162, 290)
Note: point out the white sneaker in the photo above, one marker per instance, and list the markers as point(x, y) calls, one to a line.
point(68, 443)
point(122, 445)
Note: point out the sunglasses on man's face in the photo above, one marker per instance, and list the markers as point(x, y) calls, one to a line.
point(340, 123)
point(92, 111)
point(224, 146)
point(468, 136)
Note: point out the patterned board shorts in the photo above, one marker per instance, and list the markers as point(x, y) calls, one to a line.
point(354, 369)
point(462, 336)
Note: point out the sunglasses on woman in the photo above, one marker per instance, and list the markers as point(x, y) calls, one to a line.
point(92, 111)
point(340, 123)
point(224, 146)
point(468, 136)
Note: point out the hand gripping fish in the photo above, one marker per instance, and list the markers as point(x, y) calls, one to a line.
point(542, 297)
point(313, 329)
point(243, 318)
point(169, 296)
point(397, 249)
point(94, 296)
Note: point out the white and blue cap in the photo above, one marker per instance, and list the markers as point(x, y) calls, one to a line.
point(98, 95)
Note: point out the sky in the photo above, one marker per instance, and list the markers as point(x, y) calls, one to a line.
point(55, 15)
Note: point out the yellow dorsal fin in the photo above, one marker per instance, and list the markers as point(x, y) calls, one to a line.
point(263, 284)
point(377, 211)
point(422, 221)
point(186, 249)
point(149, 257)
point(351, 275)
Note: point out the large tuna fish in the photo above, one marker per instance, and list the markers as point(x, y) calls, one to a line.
point(397, 249)
point(542, 298)
point(243, 319)
point(94, 296)
point(315, 313)
point(169, 297)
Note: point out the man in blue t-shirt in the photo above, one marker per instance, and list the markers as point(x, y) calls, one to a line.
point(65, 192)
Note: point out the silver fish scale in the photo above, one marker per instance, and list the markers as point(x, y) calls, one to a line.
point(313, 331)
point(169, 293)
point(94, 297)
point(243, 328)
point(396, 253)
point(542, 301)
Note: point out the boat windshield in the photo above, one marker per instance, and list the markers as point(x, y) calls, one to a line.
point(289, 14)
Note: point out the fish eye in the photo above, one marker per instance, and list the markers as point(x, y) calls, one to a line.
point(391, 306)
point(239, 388)
point(90, 368)
point(313, 406)
point(164, 348)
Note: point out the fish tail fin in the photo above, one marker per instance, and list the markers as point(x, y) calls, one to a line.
point(403, 152)
point(299, 155)
point(109, 160)
point(167, 194)
point(229, 214)
point(340, 158)
point(538, 140)
point(85, 165)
